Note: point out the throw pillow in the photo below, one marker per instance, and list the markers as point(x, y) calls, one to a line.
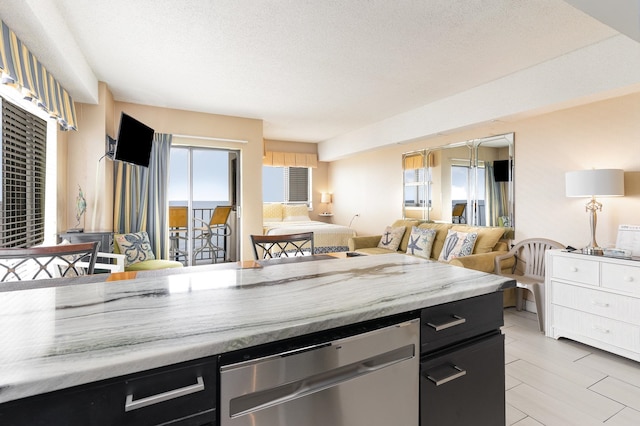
point(457, 244)
point(272, 212)
point(421, 242)
point(391, 237)
point(135, 247)
point(295, 213)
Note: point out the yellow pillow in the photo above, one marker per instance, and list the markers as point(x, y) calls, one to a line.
point(295, 213)
point(272, 212)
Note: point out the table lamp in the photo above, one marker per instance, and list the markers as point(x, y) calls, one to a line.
point(326, 198)
point(595, 183)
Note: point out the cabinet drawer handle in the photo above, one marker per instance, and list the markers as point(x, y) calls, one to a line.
point(457, 320)
point(601, 329)
point(601, 304)
point(628, 279)
point(459, 372)
point(573, 269)
point(131, 405)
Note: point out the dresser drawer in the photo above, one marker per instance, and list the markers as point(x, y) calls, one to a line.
point(574, 269)
point(621, 277)
point(449, 323)
point(614, 306)
point(612, 332)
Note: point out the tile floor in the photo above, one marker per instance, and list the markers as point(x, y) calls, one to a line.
point(560, 382)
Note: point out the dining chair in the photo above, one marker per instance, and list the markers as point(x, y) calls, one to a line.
point(178, 230)
point(217, 227)
point(63, 260)
point(528, 270)
point(288, 245)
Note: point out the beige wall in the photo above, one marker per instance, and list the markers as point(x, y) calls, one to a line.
point(86, 146)
point(604, 134)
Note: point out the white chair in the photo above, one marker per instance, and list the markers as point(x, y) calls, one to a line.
point(528, 270)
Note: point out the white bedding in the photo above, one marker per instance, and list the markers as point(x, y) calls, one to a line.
point(327, 237)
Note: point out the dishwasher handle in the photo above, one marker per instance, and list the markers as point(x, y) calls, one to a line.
point(252, 402)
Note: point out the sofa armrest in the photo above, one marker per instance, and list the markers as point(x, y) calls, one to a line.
point(483, 262)
point(504, 263)
point(368, 241)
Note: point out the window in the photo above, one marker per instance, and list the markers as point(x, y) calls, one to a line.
point(286, 185)
point(24, 141)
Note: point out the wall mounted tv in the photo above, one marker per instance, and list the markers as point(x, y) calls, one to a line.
point(501, 170)
point(134, 141)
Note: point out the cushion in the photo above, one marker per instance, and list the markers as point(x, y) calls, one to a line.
point(135, 247)
point(441, 235)
point(421, 241)
point(457, 244)
point(272, 212)
point(391, 237)
point(407, 223)
point(295, 213)
point(488, 236)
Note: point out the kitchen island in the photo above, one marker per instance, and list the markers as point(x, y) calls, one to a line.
point(63, 337)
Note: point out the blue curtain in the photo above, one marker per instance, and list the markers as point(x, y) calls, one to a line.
point(140, 202)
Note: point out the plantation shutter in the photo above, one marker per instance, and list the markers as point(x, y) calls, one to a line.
point(24, 138)
point(298, 188)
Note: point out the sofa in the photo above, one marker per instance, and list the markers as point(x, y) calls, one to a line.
point(488, 244)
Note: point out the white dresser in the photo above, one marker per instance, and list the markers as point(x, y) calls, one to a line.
point(594, 300)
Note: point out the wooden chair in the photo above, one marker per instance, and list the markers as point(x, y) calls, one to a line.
point(288, 245)
point(216, 227)
point(457, 214)
point(528, 270)
point(64, 260)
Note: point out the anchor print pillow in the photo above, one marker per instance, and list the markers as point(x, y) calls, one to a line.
point(421, 242)
point(135, 247)
point(458, 244)
point(391, 238)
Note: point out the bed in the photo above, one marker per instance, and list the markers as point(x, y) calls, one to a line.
point(279, 219)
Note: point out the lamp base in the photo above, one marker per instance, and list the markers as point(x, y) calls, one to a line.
point(594, 251)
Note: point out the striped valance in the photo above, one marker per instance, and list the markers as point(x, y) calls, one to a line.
point(21, 69)
point(290, 159)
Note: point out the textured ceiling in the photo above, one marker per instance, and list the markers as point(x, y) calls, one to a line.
point(312, 70)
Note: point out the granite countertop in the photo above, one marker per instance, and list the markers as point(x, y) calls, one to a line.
point(58, 337)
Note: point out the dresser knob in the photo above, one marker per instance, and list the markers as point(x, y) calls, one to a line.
point(601, 304)
point(573, 269)
point(628, 279)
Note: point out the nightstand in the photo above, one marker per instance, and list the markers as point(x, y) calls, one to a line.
point(326, 216)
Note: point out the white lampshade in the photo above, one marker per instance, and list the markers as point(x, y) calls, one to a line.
point(325, 197)
point(595, 183)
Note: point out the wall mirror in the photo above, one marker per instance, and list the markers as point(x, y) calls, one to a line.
point(467, 182)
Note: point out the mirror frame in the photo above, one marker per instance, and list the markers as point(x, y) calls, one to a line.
point(422, 185)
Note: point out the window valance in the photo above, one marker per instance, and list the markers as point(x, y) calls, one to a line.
point(290, 159)
point(20, 69)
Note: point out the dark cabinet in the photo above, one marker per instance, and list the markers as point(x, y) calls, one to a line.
point(464, 385)
point(184, 394)
point(105, 239)
point(462, 363)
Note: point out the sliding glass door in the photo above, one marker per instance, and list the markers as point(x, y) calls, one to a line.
point(200, 179)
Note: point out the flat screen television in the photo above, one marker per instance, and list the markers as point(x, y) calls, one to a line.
point(134, 141)
point(501, 170)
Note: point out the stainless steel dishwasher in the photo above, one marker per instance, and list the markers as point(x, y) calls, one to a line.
point(368, 379)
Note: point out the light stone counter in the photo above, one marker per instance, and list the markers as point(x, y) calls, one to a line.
point(53, 338)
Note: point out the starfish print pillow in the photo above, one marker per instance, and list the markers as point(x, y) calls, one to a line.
point(421, 241)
